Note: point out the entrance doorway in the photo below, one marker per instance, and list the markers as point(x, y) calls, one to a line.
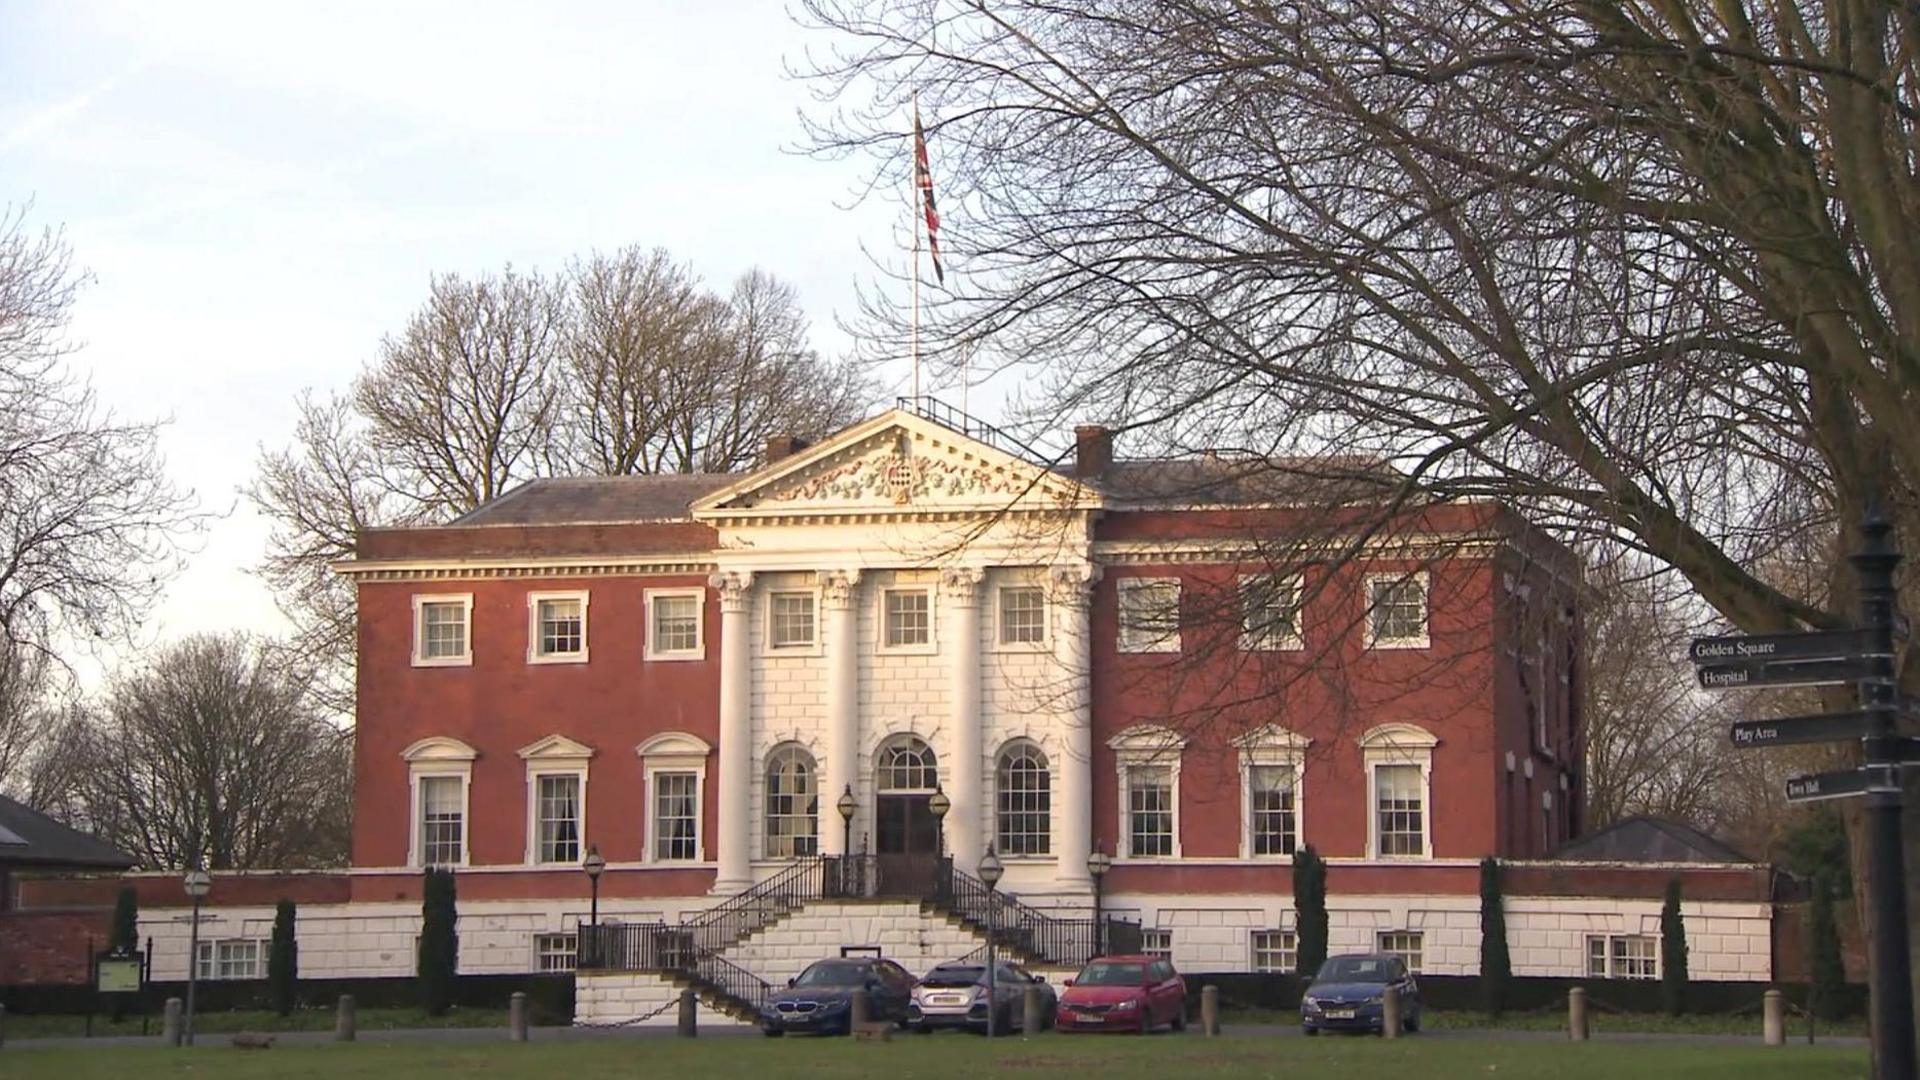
point(906, 834)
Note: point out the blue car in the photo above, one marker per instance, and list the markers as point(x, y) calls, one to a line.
point(1349, 991)
point(820, 999)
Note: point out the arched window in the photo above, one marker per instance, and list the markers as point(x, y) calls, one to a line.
point(906, 765)
point(1023, 801)
point(793, 803)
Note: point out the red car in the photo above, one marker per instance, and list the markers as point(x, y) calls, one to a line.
point(1124, 993)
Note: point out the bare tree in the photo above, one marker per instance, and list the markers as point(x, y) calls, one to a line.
point(1644, 271)
point(213, 752)
point(626, 364)
point(89, 523)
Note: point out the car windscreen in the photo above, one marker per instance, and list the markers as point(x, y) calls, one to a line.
point(953, 976)
point(1112, 975)
point(833, 975)
point(1356, 969)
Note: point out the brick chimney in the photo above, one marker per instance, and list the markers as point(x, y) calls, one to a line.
point(1092, 450)
point(784, 446)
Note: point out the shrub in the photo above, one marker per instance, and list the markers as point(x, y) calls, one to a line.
point(1827, 972)
point(1496, 967)
point(1310, 907)
point(439, 944)
point(1673, 952)
point(283, 960)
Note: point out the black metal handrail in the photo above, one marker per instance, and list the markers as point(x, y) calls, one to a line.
point(928, 407)
point(734, 981)
point(780, 895)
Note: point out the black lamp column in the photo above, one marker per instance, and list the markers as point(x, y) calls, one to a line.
point(1098, 864)
point(990, 871)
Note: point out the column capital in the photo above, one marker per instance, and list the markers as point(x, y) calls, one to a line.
point(836, 586)
point(1072, 582)
point(732, 586)
point(961, 584)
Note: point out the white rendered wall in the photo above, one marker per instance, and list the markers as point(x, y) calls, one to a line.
point(617, 997)
point(904, 935)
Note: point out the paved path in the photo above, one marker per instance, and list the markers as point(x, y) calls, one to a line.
point(546, 1034)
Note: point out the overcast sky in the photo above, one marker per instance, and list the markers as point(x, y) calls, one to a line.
point(261, 191)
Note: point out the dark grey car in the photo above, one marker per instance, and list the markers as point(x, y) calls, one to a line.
point(1349, 994)
point(820, 999)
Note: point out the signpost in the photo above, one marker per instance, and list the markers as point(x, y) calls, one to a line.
point(1862, 656)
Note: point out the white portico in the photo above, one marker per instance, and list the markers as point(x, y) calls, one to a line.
point(904, 609)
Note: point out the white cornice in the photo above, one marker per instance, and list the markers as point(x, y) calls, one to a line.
point(1238, 549)
point(522, 566)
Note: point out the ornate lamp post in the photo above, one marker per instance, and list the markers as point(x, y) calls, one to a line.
point(847, 805)
point(990, 871)
point(594, 864)
point(938, 805)
point(1098, 863)
point(198, 884)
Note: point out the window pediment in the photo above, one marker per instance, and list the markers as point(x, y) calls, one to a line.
point(556, 748)
point(675, 744)
point(1272, 737)
point(1144, 741)
point(1398, 737)
point(439, 748)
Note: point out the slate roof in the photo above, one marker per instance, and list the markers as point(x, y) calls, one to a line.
point(1652, 840)
point(598, 500)
point(1238, 481)
point(29, 838)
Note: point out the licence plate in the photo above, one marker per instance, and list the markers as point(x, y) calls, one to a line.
point(1084, 1019)
point(1341, 1014)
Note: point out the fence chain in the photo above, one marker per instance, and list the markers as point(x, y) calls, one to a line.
point(671, 1004)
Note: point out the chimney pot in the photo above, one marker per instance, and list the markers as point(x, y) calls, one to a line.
point(784, 446)
point(1092, 450)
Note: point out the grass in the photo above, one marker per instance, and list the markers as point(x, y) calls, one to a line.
point(1597, 1022)
point(1111, 1057)
point(43, 1027)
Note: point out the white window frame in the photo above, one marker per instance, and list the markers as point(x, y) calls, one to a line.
point(766, 799)
point(1022, 744)
point(1000, 642)
point(699, 597)
point(420, 602)
point(556, 945)
point(1419, 938)
point(535, 653)
point(1151, 940)
point(932, 644)
point(1399, 744)
point(1420, 641)
point(810, 647)
point(1261, 639)
point(208, 961)
point(555, 755)
point(1128, 638)
point(1272, 745)
point(674, 752)
point(1609, 959)
point(438, 756)
point(1145, 745)
point(1290, 948)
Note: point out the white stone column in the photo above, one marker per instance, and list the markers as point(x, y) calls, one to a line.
point(842, 642)
point(965, 822)
point(735, 855)
point(1071, 600)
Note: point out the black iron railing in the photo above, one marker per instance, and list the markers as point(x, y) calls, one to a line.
point(775, 898)
point(928, 407)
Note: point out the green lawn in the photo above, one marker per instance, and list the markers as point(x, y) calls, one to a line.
point(37, 1027)
point(1597, 1021)
point(948, 1057)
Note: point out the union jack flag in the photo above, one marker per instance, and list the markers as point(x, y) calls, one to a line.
point(923, 176)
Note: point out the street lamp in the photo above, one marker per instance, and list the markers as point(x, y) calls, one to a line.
point(1098, 863)
point(198, 884)
point(847, 805)
point(594, 864)
point(990, 871)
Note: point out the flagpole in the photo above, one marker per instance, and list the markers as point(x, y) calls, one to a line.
point(913, 174)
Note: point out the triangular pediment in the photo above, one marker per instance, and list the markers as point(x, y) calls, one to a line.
point(897, 462)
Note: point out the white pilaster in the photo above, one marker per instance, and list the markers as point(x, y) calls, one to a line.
point(960, 601)
point(1071, 601)
point(842, 641)
point(736, 733)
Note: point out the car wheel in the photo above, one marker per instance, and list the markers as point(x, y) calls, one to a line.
point(1309, 1031)
point(1413, 1023)
point(1180, 1019)
point(772, 1033)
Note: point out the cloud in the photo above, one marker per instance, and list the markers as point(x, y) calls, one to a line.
point(51, 118)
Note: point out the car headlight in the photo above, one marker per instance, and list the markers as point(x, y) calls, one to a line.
point(1312, 1004)
point(1127, 1005)
point(834, 1005)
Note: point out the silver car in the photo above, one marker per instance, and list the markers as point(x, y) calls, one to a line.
point(954, 995)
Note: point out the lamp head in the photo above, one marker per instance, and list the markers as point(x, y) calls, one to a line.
point(594, 864)
point(938, 804)
point(847, 804)
point(198, 883)
point(990, 869)
point(1099, 863)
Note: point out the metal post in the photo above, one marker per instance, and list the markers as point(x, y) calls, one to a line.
point(1390, 1013)
point(991, 919)
point(1032, 1012)
point(170, 1024)
point(1210, 1010)
point(1773, 1019)
point(517, 1016)
point(3, 1025)
point(1889, 968)
point(859, 1011)
point(343, 1020)
point(1099, 925)
point(594, 911)
point(689, 1019)
point(193, 971)
point(1577, 1014)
